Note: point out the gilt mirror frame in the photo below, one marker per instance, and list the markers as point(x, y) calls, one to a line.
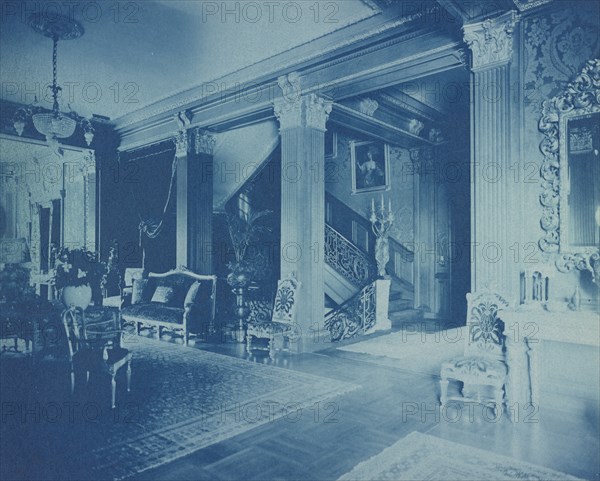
point(580, 98)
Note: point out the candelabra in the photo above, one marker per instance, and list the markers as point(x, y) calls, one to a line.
point(381, 222)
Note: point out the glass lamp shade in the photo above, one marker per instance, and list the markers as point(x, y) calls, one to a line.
point(19, 126)
point(54, 124)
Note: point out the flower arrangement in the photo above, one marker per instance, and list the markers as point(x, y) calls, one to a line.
point(77, 267)
point(14, 283)
point(16, 291)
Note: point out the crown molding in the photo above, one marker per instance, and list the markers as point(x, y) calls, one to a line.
point(223, 109)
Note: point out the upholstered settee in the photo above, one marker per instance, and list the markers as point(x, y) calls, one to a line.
point(179, 301)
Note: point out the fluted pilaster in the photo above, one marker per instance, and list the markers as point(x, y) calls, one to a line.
point(194, 200)
point(494, 198)
point(302, 126)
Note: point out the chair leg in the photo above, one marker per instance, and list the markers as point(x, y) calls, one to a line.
point(113, 390)
point(129, 376)
point(138, 327)
point(443, 391)
point(272, 348)
point(249, 343)
point(499, 400)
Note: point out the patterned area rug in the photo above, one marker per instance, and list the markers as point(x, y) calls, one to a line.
point(421, 351)
point(423, 457)
point(183, 400)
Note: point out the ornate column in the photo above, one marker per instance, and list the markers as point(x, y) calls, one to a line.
point(302, 120)
point(494, 196)
point(194, 197)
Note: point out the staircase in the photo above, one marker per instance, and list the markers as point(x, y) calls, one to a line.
point(401, 308)
point(348, 269)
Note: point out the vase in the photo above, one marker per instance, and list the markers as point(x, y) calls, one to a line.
point(76, 296)
point(241, 312)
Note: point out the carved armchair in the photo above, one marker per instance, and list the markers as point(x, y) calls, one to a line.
point(281, 328)
point(95, 347)
point(483, 363)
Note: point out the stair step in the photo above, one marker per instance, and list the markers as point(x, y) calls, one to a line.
point(400, 305)
point(394, 296)
point(407, 315)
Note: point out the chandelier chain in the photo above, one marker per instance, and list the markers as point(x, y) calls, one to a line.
point(55, 87)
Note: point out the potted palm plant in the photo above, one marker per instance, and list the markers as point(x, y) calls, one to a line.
point(245, 230)
point(76, 273)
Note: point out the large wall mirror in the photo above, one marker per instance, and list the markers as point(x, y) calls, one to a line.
point(45, 200)
point(571, 173)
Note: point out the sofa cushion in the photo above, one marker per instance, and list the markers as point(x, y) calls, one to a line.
point(139, 291)
point(163, 294)
point(153, 311)
point(179, 283)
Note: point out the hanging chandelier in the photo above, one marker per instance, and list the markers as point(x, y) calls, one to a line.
point(54, 124)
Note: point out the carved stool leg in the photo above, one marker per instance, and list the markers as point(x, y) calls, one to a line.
point(443, 391)
point(128, 376)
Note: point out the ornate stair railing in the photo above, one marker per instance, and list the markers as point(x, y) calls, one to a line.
point(347, 259)
point(354, 317)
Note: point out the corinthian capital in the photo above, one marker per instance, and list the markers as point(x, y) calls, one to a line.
point(181, 136)
point(205, 142)
point(491, 41)
point(317, 111)
point(304, 111)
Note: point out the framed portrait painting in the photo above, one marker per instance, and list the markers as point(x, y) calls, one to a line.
point(370, 166)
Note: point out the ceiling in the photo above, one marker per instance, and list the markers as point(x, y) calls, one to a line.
point(135, 53)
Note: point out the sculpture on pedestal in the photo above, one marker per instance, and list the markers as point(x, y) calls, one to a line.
point(381, 222)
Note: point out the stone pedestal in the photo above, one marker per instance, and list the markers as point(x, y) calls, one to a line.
point(382, 301)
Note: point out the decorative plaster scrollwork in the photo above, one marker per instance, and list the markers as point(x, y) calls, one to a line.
point(435, 135)
point(416, 127)
point(317, 111)
point(300, 110)
point(290, 86)
point(181, 137)
point(288, 109)
point(580, 97)
point(422, 159)
point(205, 142)
point(368, 106)
point(491, 41)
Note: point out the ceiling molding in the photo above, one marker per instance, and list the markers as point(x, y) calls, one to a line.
point(298, 58)
point(352, 119)
point(524, 5)
point(371, 58)
point(410, 106)
point(378, 5)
